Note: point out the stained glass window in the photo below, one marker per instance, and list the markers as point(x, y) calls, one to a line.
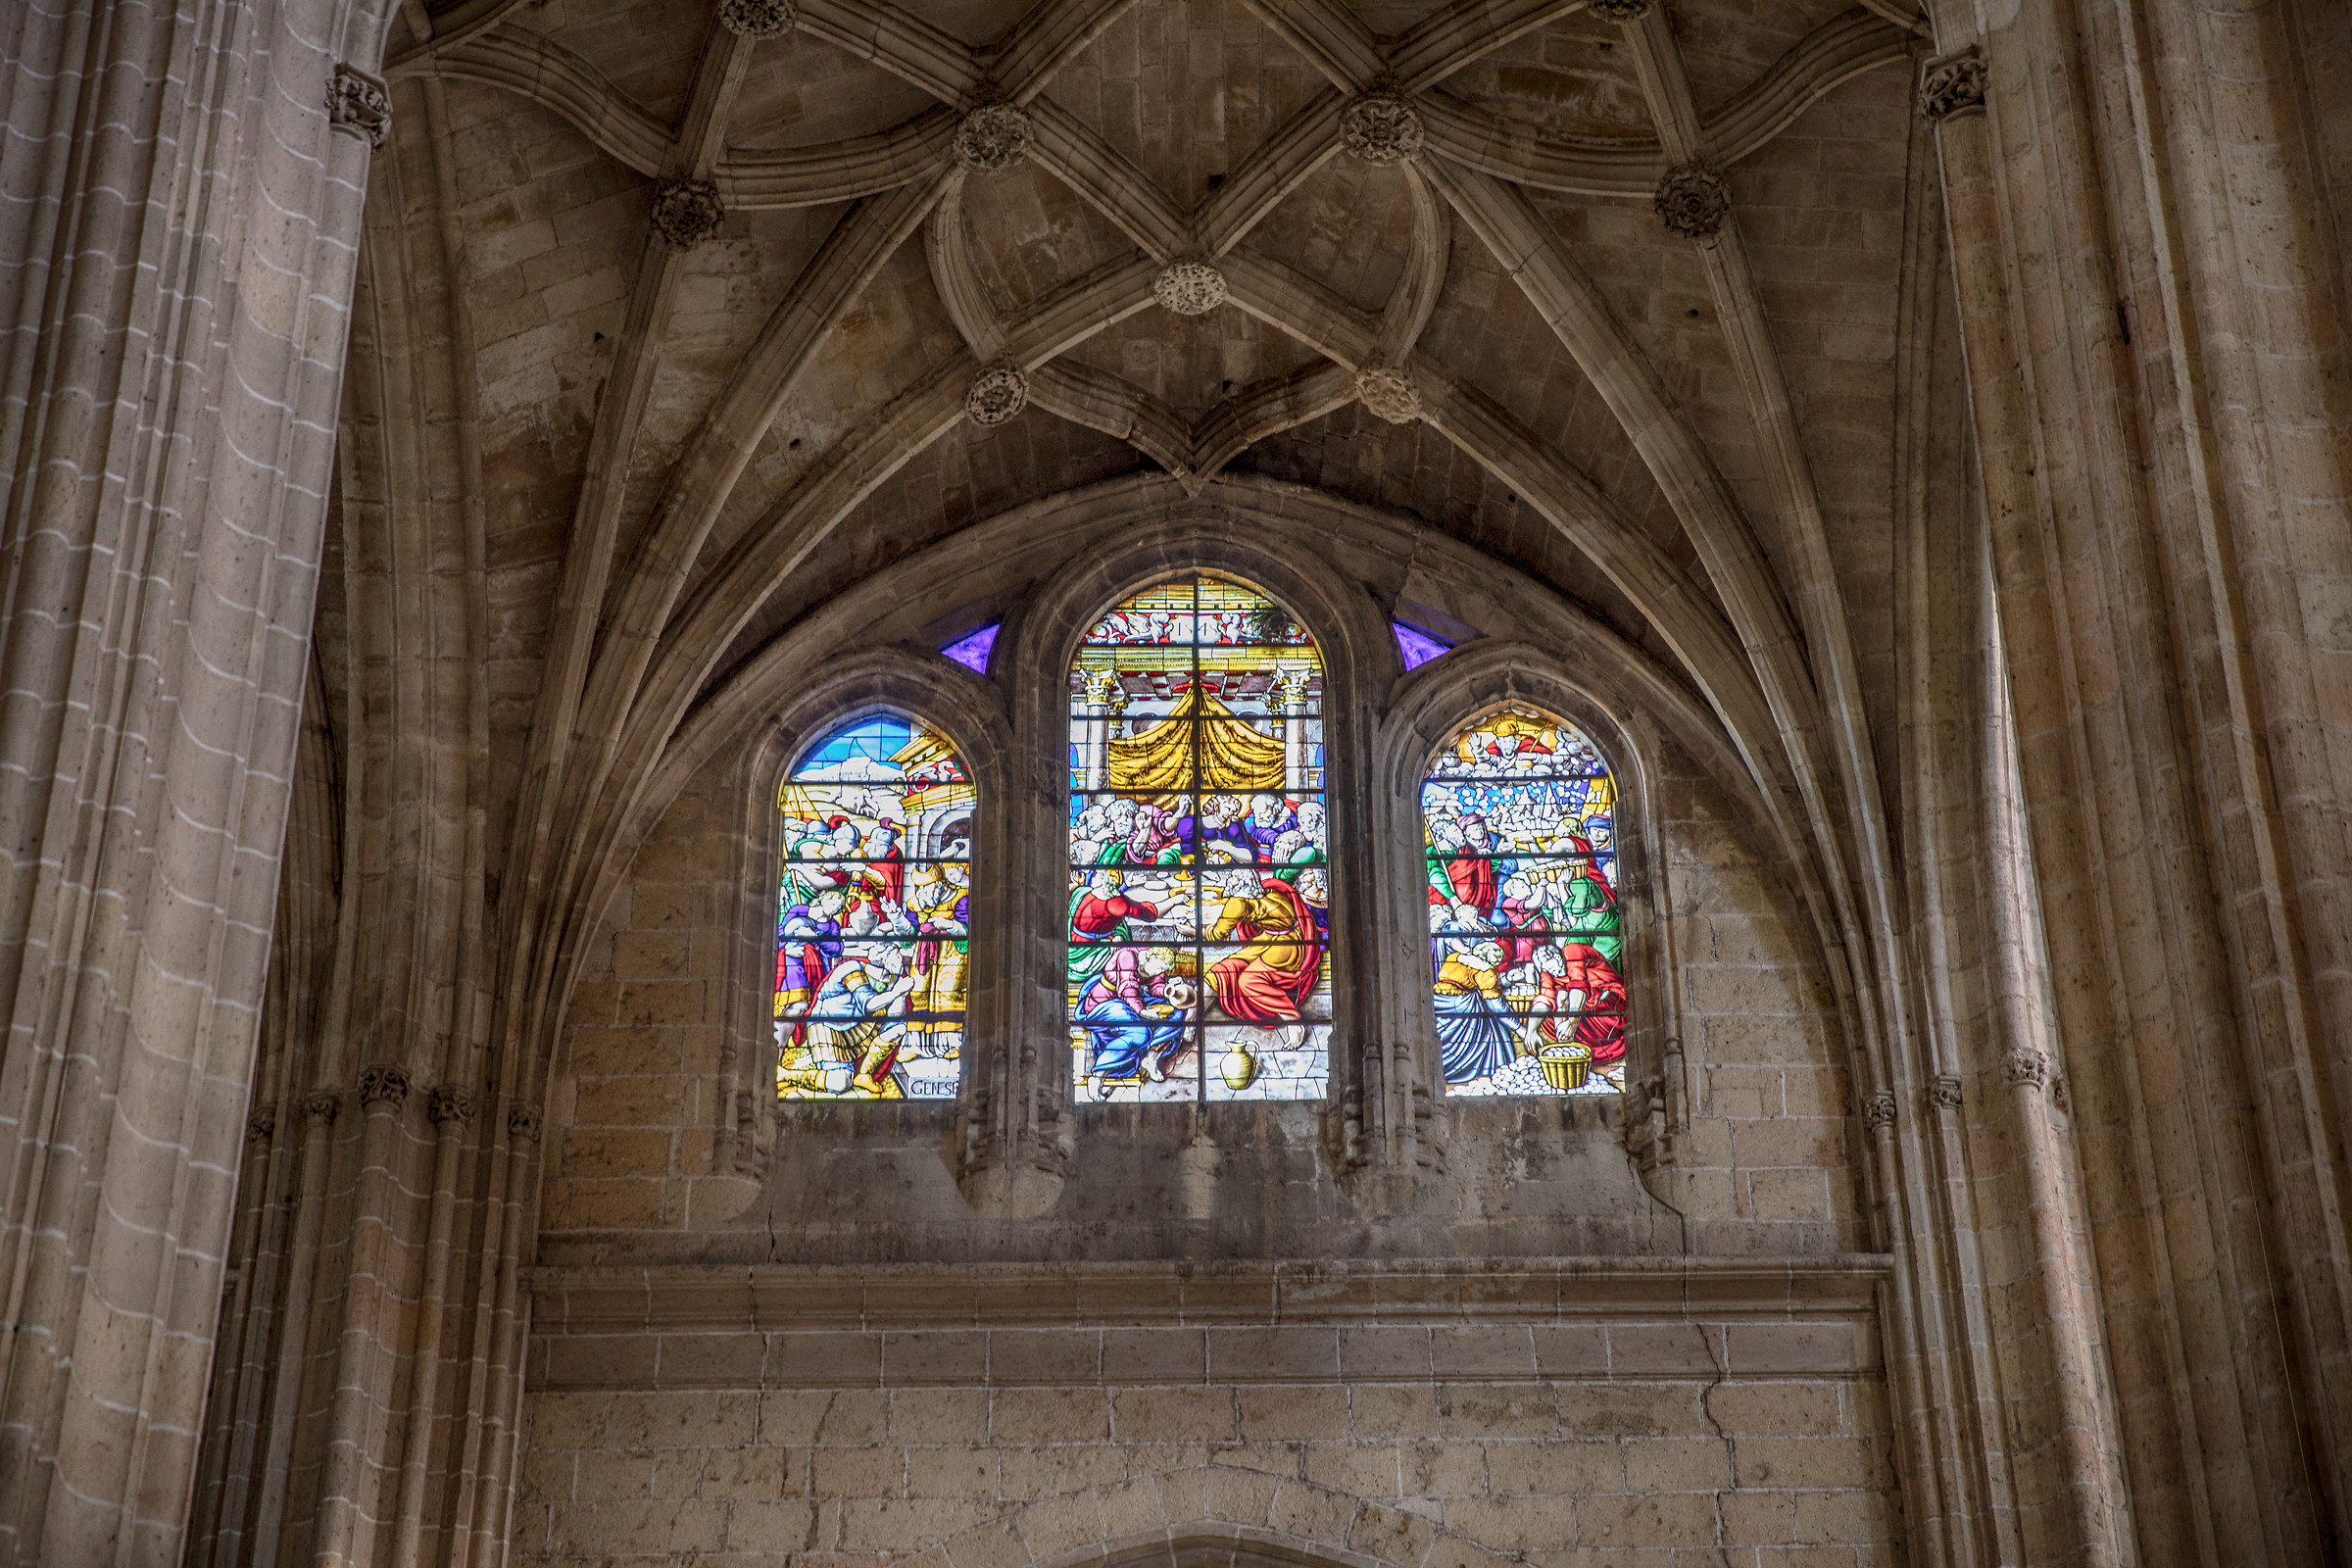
point(873, 932)
point(1417, 645)
point(971, 650)
point(1525, 952)
point(1199, 920)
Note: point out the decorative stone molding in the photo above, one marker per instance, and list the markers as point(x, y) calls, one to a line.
point(322, 1106)
point(686, 211)
point(1380, 127)
point(383, 1085)
point(993, 138)
point(262, 1125)
point(2026, 1065)
point(1619, 12)
point(1945, 1091)
point(1879, 1110)
point(449, 1103)
point(1693, 201)
point(998, 393)
point(1188, 287)
point(360, 104)
point(1385, 390)
point(1952, 86)
point(522, 1122)
point(757, 19)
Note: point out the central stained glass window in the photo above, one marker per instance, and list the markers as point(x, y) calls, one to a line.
point(1200, 961)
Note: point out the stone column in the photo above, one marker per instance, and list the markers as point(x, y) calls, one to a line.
point(174, 283)
point(2108, 292)
point(1102, 702)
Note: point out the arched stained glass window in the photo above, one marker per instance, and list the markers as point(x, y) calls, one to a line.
point(1518, 820)
point(872, 935)
point(1199, 923)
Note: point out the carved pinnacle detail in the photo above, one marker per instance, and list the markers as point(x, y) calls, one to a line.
point(1189, 289)
point(757, 19)
point(1952, 86)
point(2026, 1065)
point(322, 1106)
point(360, 104)
point(1879, 1110)
point(993, 138)
point(1693, 201)
point(686, 211)
point(383, 1085)
point(1385, 390)
point(449, 1103)
point(1945, 1091)
point(262, 1125)
point(1380, 127)
point(998, 394)
point(1619, 12)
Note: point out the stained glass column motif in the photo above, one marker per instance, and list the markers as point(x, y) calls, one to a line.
point(1199, 911)
point(1525, 948)
point(873, 934)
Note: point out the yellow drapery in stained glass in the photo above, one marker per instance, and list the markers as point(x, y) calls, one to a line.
point(1232, 755)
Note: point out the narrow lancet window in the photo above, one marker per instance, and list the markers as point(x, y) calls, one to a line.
point(873, 942)
point(1200, 919)
point(1519, 828)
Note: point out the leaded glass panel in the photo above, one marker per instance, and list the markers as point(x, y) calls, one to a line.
point(873, 938)
point(1525, 949)
point(1199, 924)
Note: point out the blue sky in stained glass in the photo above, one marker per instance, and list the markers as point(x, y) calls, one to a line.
point(877, 740)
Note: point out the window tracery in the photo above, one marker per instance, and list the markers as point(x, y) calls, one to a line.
point(1526, 946)
point(1200, 939)
point(873, 937)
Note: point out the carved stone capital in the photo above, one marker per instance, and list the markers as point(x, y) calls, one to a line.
point(384, 1086)
point(998, 393)
point(1385, 391)
point(1945, 1091)
point(1380, 127)
point(1188, 287)
point(1619, 12)
point(686, 211)
point(1879, 1110)
point(321, 1107)
point(523, 1124)
point(1952, 86)
point(757, 19)
point(993, 138)
point(2026, 1065)
point(359, 105)
point(262, 1125)
point(449, 1103)
point(1693, 201)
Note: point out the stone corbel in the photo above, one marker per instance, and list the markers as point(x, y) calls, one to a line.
point(1015, 1141)
point(359, 104)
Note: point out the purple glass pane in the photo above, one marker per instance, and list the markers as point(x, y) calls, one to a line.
point(1417, 645)
point(971, 649)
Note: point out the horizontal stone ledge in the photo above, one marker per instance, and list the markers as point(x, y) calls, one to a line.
point(686, 1297)
point(1504, 1353)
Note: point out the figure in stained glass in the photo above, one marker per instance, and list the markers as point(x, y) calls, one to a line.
point(1524, 941)
point(873, 934)
point(1199, 935)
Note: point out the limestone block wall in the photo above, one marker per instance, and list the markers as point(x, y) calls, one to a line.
point(1413, 1417)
